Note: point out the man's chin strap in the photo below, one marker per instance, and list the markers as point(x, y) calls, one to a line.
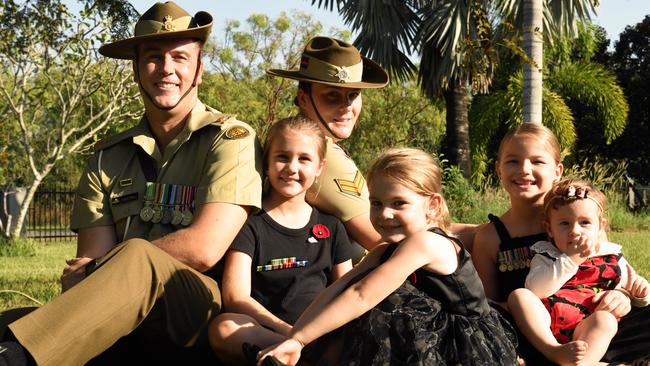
point(143, 91)
point(320, 118)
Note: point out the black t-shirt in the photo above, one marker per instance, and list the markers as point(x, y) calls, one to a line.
point(303, 260)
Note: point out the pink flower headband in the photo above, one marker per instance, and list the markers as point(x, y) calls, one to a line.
point(571, 194)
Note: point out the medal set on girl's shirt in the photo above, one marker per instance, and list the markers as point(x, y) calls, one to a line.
point(517, 258)
point(168, 204)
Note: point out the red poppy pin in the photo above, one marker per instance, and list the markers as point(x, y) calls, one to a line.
point(319, 231)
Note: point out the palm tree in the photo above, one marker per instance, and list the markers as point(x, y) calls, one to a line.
point(560, 17)
point(577, 93)
point(455, 40)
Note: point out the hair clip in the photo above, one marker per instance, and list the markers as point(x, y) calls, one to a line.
point(573, 192)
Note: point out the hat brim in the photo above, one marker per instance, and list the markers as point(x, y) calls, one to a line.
point(125, 49)
point(373, 76)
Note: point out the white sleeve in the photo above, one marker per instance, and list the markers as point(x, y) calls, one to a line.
point(547, 275)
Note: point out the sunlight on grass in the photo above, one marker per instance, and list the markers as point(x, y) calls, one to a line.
point(36, 276)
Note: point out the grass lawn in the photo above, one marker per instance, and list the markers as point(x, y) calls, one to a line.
point(38, 275)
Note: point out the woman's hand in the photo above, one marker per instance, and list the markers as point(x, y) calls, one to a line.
point(287, 352)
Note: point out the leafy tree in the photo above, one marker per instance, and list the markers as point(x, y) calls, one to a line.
point(631, 60)
point(58, 96)
point(240, 61)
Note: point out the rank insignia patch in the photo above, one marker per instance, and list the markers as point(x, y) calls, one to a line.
point(237, 132)
point(351, 187)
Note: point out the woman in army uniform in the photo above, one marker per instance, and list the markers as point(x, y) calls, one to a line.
point(331, 77)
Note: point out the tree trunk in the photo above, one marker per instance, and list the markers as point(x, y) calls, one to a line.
point(534, 48)
point(456, 147)
point(24, 208)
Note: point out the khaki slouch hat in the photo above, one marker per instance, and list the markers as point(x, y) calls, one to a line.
point(333, 62)
point(162, 21)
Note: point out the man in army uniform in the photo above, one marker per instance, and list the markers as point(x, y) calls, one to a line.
point(173, 191)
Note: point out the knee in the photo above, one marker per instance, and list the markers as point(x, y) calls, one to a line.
point(606, 320)
point(519, 296)
point(222, 327)
point(137, 247)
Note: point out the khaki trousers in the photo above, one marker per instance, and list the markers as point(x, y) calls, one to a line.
point(134, 285)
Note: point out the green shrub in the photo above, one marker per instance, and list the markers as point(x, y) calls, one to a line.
point(605, 175)
point(466, 203)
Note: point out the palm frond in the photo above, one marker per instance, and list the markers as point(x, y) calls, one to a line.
point(561, 17)
point(596, 87)
point(558, 118)
point(386, 30)
point(456, 46)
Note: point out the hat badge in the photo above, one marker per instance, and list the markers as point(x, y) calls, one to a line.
point(168, 24)
point(343, 74)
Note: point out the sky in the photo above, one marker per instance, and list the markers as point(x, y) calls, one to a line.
point(613, 15)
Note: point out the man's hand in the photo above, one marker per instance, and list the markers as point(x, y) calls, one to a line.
point(613, 301)
point(74, 272)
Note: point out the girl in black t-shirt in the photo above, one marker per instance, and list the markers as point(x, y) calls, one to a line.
point(286, 254)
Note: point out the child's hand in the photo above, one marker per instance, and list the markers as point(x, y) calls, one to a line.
point(287, 352)
point(637, 286)
point(613, 301)
point(581, 248)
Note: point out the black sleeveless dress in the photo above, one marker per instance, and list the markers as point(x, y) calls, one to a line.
point(632, 339)
point(431, 320)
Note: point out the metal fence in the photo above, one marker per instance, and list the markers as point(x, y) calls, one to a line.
point(49, 214)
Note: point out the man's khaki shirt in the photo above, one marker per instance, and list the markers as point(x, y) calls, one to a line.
point(215, 153)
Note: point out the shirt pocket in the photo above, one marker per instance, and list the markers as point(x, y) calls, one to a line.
point(124, 205)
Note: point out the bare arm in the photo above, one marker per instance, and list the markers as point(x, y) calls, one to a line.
point(484, 256)
point(340, 269)
point(236, 293)
point(466, 233)
point(360, 230)
point(202, 244)
point(330, 312)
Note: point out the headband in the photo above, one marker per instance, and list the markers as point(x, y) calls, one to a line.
point(572, 194)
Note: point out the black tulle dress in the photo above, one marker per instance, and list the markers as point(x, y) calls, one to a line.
point(431, 320)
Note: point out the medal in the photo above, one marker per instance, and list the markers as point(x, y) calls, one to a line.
point(166, 215)
point(177, 217)
point(146, 213)
point(187, 217)
point(501, 260)
point(157, 215)
point(188, 205)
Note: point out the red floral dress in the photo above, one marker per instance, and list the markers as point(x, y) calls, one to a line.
point(574, 301)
